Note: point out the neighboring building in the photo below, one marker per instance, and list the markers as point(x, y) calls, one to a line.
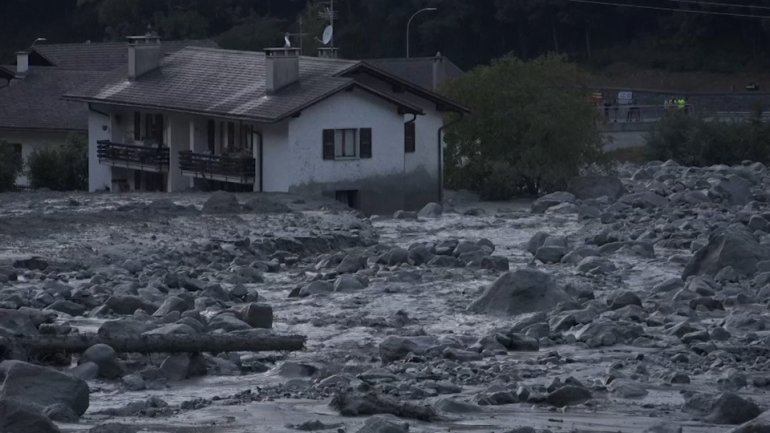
point(428, 72)
point(270, 121)
point(32, 113)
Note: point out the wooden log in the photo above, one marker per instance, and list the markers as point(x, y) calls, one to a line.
point(190, 343)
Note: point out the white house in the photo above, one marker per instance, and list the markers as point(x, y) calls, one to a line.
point(270, 121)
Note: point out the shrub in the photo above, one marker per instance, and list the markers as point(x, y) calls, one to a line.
point(532, 127)
point(60, 169)
point(695, 141)
point(10, 165)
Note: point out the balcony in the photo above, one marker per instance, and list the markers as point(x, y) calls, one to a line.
point(142, 158)
point(225, 168)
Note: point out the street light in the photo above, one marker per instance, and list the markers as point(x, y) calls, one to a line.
point(410, 23)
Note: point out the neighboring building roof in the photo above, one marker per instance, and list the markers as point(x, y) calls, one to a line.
point(98, 56)
point(35, 102)
point(227, 83)
point(419, 70)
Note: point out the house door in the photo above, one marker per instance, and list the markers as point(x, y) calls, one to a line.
point(349, 197)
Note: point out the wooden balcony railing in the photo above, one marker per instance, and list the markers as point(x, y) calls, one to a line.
point(141, 157)
point(227, 168)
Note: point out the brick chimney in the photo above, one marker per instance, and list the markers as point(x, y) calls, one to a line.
point(281, 68)
point(22, 64)
point(143, 55)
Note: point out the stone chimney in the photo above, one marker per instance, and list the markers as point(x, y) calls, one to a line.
point(22, 64)
point(328, 52)
point(281, 68)
point(143, 55)
point(439, 71)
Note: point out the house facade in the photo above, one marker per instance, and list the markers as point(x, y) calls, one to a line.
point(270, 121)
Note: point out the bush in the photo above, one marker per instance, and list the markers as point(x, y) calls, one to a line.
point(695, 141)
point(60, 169)
point(10, 165)
point(532, 128)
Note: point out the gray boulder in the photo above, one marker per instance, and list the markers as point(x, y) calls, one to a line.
point(645, 200)
point(17, 417)
point(735, 190)
point(221, 202)
point(568, 396)
point(550, 253)
point(664, 428)
point(257, 315)
point(550, 200)
point(760, 424)
point(593, 186)
point(105, 358)
point(430, 210)
point(732, 246)
point(42, 387)
point(384, 424)
point(522, 291)
point(395, 256)
point(729, 408)
point(14, 323)
point(348, 283)
point(315, 288)
point(393, 347)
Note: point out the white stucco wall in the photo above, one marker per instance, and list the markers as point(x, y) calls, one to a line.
point(32, 140)
point(301, 161)
point(99, 128)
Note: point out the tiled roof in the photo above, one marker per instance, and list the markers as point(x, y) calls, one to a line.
point(103, 56)
point(35, 102)
point(225, 83)
point(418, 70)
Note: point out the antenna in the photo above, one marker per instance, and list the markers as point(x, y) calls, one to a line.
point(286, 41)
point(328, 35)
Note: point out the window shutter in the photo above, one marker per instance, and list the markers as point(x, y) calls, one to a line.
point(409, 137)
point(365, 142)
point(328, 144)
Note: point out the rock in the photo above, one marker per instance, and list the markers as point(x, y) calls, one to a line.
point(733, 246)
point(14, 323)
point(32, 263)
point(172, 303)
point(735, 190)
point(518, 292)
point(760, 424)
point(85, 371)
point(520, 343)
point(42, 387)
point(626, 389)
point(348, 283)
point(265, 205)
point(257, 315)
point(228, 322)
point(592, 186)
point(384, 424)
point(351, 264)
point(17, 417)
point(495, 263)
point(536, 241)
point(568, 396)
point(122, 328)
point(405, 215)
point(550, 254)
point(420, 254)
point(176, 367)
point(430, 210)
point(127, 304)
point(645, 200)
point(729, 408)
point(393, 348)
point(461, 355)
point(67, 307)
point(664, 428)
point(105, 358)
point(395, 256)
point(445, 262)
point(221, 202)
point(668, 285)
point(316, 287)
point(624, 299)
point(550, 200)
point(449, 405)
point(596, 265)
point(608, 333)
point(759, 223)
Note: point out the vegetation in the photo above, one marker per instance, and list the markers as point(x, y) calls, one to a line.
point(60, 169)
point(471, 32)
point(532, 127)
point(694, 141)
point(10, 166)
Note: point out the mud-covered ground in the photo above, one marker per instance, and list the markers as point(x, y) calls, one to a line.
point(610, 321)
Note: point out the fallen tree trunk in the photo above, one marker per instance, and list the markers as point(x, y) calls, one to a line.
point(190, 343)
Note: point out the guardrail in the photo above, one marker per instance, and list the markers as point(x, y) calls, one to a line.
point(236, 169)
point(131, 155)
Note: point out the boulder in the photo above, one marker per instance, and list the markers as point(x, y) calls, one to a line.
point(221, 202)
point(127, 304)
point(593, 186)
point(550, 200)
point(393, 348)
point(664, 428)
point(105, 358)
point(430, 210)
point(522, 291)
point(348, 283)
point(122, 328)
point(14, 323)
point(732, 246)
point(760, 424)
point(17, 417)
point(316, 287)
point(729, 408)
point(384, 424)
point(623, 299)
point(42, 387)
point(645, 200)
point(395, 256)
point(759, 223)
point(550, 253)
point(264, 205)
point(176, 367)
point(257, 315)
point(608, 333)
point(735, 190)
point(568, 396)
point(351, 264)
point(67, 307)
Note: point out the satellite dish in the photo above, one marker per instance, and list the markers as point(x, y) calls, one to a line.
point(328, 34)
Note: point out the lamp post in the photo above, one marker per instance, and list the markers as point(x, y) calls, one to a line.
point(410, 23)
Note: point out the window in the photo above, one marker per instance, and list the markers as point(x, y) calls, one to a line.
point(231, 145)
point(153, 128)
point(137, 126)
point(409, 137)
point(347, 143)
point(211, 132)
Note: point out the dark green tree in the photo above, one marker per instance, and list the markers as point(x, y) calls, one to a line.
point(10, 165)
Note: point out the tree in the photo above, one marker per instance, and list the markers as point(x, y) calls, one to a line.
point(10, 165)
point(532, 127)
point(60, 169)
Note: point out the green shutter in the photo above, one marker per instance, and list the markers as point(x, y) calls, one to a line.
point(365, 142)
point(328, 144)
